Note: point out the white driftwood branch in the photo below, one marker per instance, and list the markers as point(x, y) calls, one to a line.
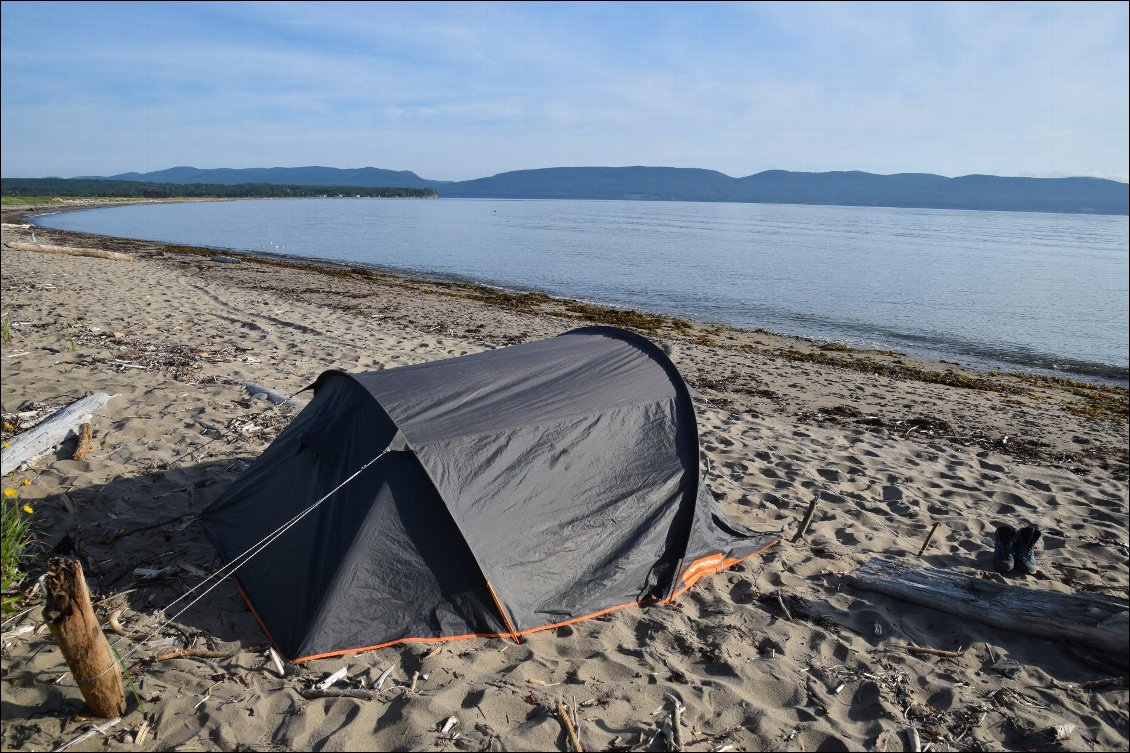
point(51, 431)
point(275, 397)
point(40, 248)
point(1084, 618)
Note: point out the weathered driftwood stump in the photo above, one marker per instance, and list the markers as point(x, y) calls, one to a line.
point(70, 617)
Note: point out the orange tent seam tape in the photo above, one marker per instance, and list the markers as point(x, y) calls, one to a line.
point(689, 577)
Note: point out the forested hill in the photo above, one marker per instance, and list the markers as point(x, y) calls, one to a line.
point(984, 192)
point(371, 177)
point(987, 192)
point(89, 187)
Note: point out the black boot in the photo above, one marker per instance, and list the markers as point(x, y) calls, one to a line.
point(1004, 543)
point(1024, 549)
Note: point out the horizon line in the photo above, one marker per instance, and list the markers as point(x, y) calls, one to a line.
point(579, 167)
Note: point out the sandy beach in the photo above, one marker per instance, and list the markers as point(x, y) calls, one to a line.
point(780, 653)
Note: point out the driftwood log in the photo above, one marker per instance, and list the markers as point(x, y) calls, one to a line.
point(275, 397)
point(51, 431)
point(40, 248)
point(1083, 618)
point(70, 617)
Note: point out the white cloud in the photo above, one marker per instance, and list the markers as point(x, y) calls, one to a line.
point(462, 91)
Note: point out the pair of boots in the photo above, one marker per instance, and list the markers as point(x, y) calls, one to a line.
point(1015, 551)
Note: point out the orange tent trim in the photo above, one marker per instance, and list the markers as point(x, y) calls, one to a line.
point(693, 573)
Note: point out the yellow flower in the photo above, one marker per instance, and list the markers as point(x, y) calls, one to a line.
point(9, 492)
point(26, 482)
point(6, 445)
point(28, 510)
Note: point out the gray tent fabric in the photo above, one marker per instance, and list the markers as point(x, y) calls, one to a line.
point(527, 487)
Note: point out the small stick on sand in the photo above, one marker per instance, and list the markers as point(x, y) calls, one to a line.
point(84, 441)
point(364, 695)
point(563, 715)
point(913, 741)
point(415, 679)
point(929, 536)
point(273, 656)
point(677, 725)
point(194, 653)
point(141, 734)
point(329, 681)
point(934, 651)
point(576, 718)
point(807, 519)
point(784, 609)
point(115, 625)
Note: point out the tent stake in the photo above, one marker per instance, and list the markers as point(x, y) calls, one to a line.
point(926, 543)
point(807, 519)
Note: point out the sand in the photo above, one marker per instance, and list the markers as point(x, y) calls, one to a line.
point(892, 444)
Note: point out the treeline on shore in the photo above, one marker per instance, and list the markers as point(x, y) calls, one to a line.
point(85, 188)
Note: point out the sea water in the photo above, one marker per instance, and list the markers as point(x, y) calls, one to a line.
point(1015, 289)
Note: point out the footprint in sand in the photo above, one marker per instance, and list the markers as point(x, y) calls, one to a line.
point(892, 494)
point(867, 703)
point(1037, 485)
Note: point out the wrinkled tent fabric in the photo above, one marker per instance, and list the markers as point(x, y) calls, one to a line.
point(529, 487)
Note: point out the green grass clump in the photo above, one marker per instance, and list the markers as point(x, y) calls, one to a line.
point(25, 201)
point(16, 538)
point(5, 327)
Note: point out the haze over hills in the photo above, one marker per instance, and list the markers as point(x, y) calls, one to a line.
point(853, 188)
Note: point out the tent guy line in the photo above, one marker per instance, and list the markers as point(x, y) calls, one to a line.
point(231, 567)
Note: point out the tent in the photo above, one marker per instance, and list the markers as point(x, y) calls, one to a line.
point(524, 488)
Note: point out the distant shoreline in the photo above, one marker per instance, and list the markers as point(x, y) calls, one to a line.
point(837, 188)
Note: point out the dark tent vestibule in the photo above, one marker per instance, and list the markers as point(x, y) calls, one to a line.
point(525, 488)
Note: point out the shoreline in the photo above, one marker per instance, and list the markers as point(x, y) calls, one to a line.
point(1085, 400)
point(780, 653)
point(1106, 376)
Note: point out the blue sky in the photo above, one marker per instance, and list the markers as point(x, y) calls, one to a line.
point(465, 90)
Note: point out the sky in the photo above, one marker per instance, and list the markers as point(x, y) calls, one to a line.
point(466, 90)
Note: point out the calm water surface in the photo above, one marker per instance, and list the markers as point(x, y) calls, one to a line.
point(1044, 291)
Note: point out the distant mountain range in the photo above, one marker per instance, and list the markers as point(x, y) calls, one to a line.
point(362, 177)
point(924, 190)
